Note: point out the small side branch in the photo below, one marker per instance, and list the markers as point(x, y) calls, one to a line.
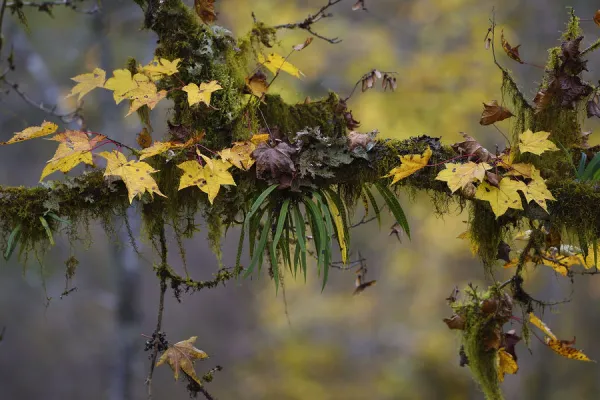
point(311, 19)
point(46, 6)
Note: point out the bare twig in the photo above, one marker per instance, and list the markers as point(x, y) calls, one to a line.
point(161, 307)
point(65, 117)
point(311, 19)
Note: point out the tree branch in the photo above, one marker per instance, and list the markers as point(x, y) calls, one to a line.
point(311, 19)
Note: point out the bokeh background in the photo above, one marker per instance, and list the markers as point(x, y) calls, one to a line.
point(388, 343)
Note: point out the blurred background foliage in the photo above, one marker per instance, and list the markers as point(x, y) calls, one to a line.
point(388, 343)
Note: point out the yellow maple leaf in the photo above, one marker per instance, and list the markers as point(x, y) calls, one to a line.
point(161, 147)
point(275, 63)
point(209, 178)
point(145, 94)
point(259, 138)
point(33, 132)
point(121, 83)
point(410, 164)
point(459, 175)
point(535, 143)
point(87, 82)
point(200, 94)
point(159, 67)
point(135, 174)
point(506, 364)
point(257, 86)
point(239, 154)
point(536, 190)
point(181, 356)
point(541, 325)
point(74, 148)
point(563, 347)
point(519, 169)
point(503, 197)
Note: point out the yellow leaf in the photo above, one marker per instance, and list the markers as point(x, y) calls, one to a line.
point(519, 169)
point(135, 174)
point(33, 132)
point(74, 148)
point(535, 143)
point(536, 190)
point(88, 82)
point(239, 154)
point(409, 165)
point(158, 68)
point(121, 83)
point(502, 198)
point(555, 262)
point(459, 175)
point(473, 246)
point(181, 356)
point(257, 84)
point(260, 138)
point(275, 63)
point(208, 178)
point(563, 347)
point(161, 147)
point(144, 94)
point(541, 326)
point(200, 94)
point(339, 227)
point(506, 364)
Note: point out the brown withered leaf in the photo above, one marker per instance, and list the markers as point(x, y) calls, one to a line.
point(572, 89)
point(493, 179)
point(206, 10)
point(389, 81)
point(144, 139)
point(493, 112)
point(503, 251)
point(453, 296)
point(509, 341)
point(455, 322)
point(361, 286)
point(302, 46)
point(511, 52)
point(359, 5)
point(275, 163)
point(181, 356)
point(351, 123)
point(570, 57)
point(473, 149)
point(493, 340)
point(542, 99)
point(597, 17)
point(593, 109)
point(257, 84)
point(357, 139)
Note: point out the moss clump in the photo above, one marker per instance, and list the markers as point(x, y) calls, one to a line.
point(325, 114)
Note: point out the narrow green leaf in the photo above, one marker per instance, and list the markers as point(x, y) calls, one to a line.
point(318, 230)
point(262, 244)
point(259, 200)
point(365, 202)
point(394, 207)
point(59, 219)
point(276, 237)
point(47, 228)
point(591, 168)
point(238, 256)
point(254, 224)
point(328, 236)
point(300, 236)
point(376, 209)
point(13, 238)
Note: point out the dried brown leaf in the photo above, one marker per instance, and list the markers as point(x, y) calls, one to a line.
point(493, 112)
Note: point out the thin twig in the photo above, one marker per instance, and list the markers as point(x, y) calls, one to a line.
point(311, 19)
point(65, 117)
point(161, 307)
